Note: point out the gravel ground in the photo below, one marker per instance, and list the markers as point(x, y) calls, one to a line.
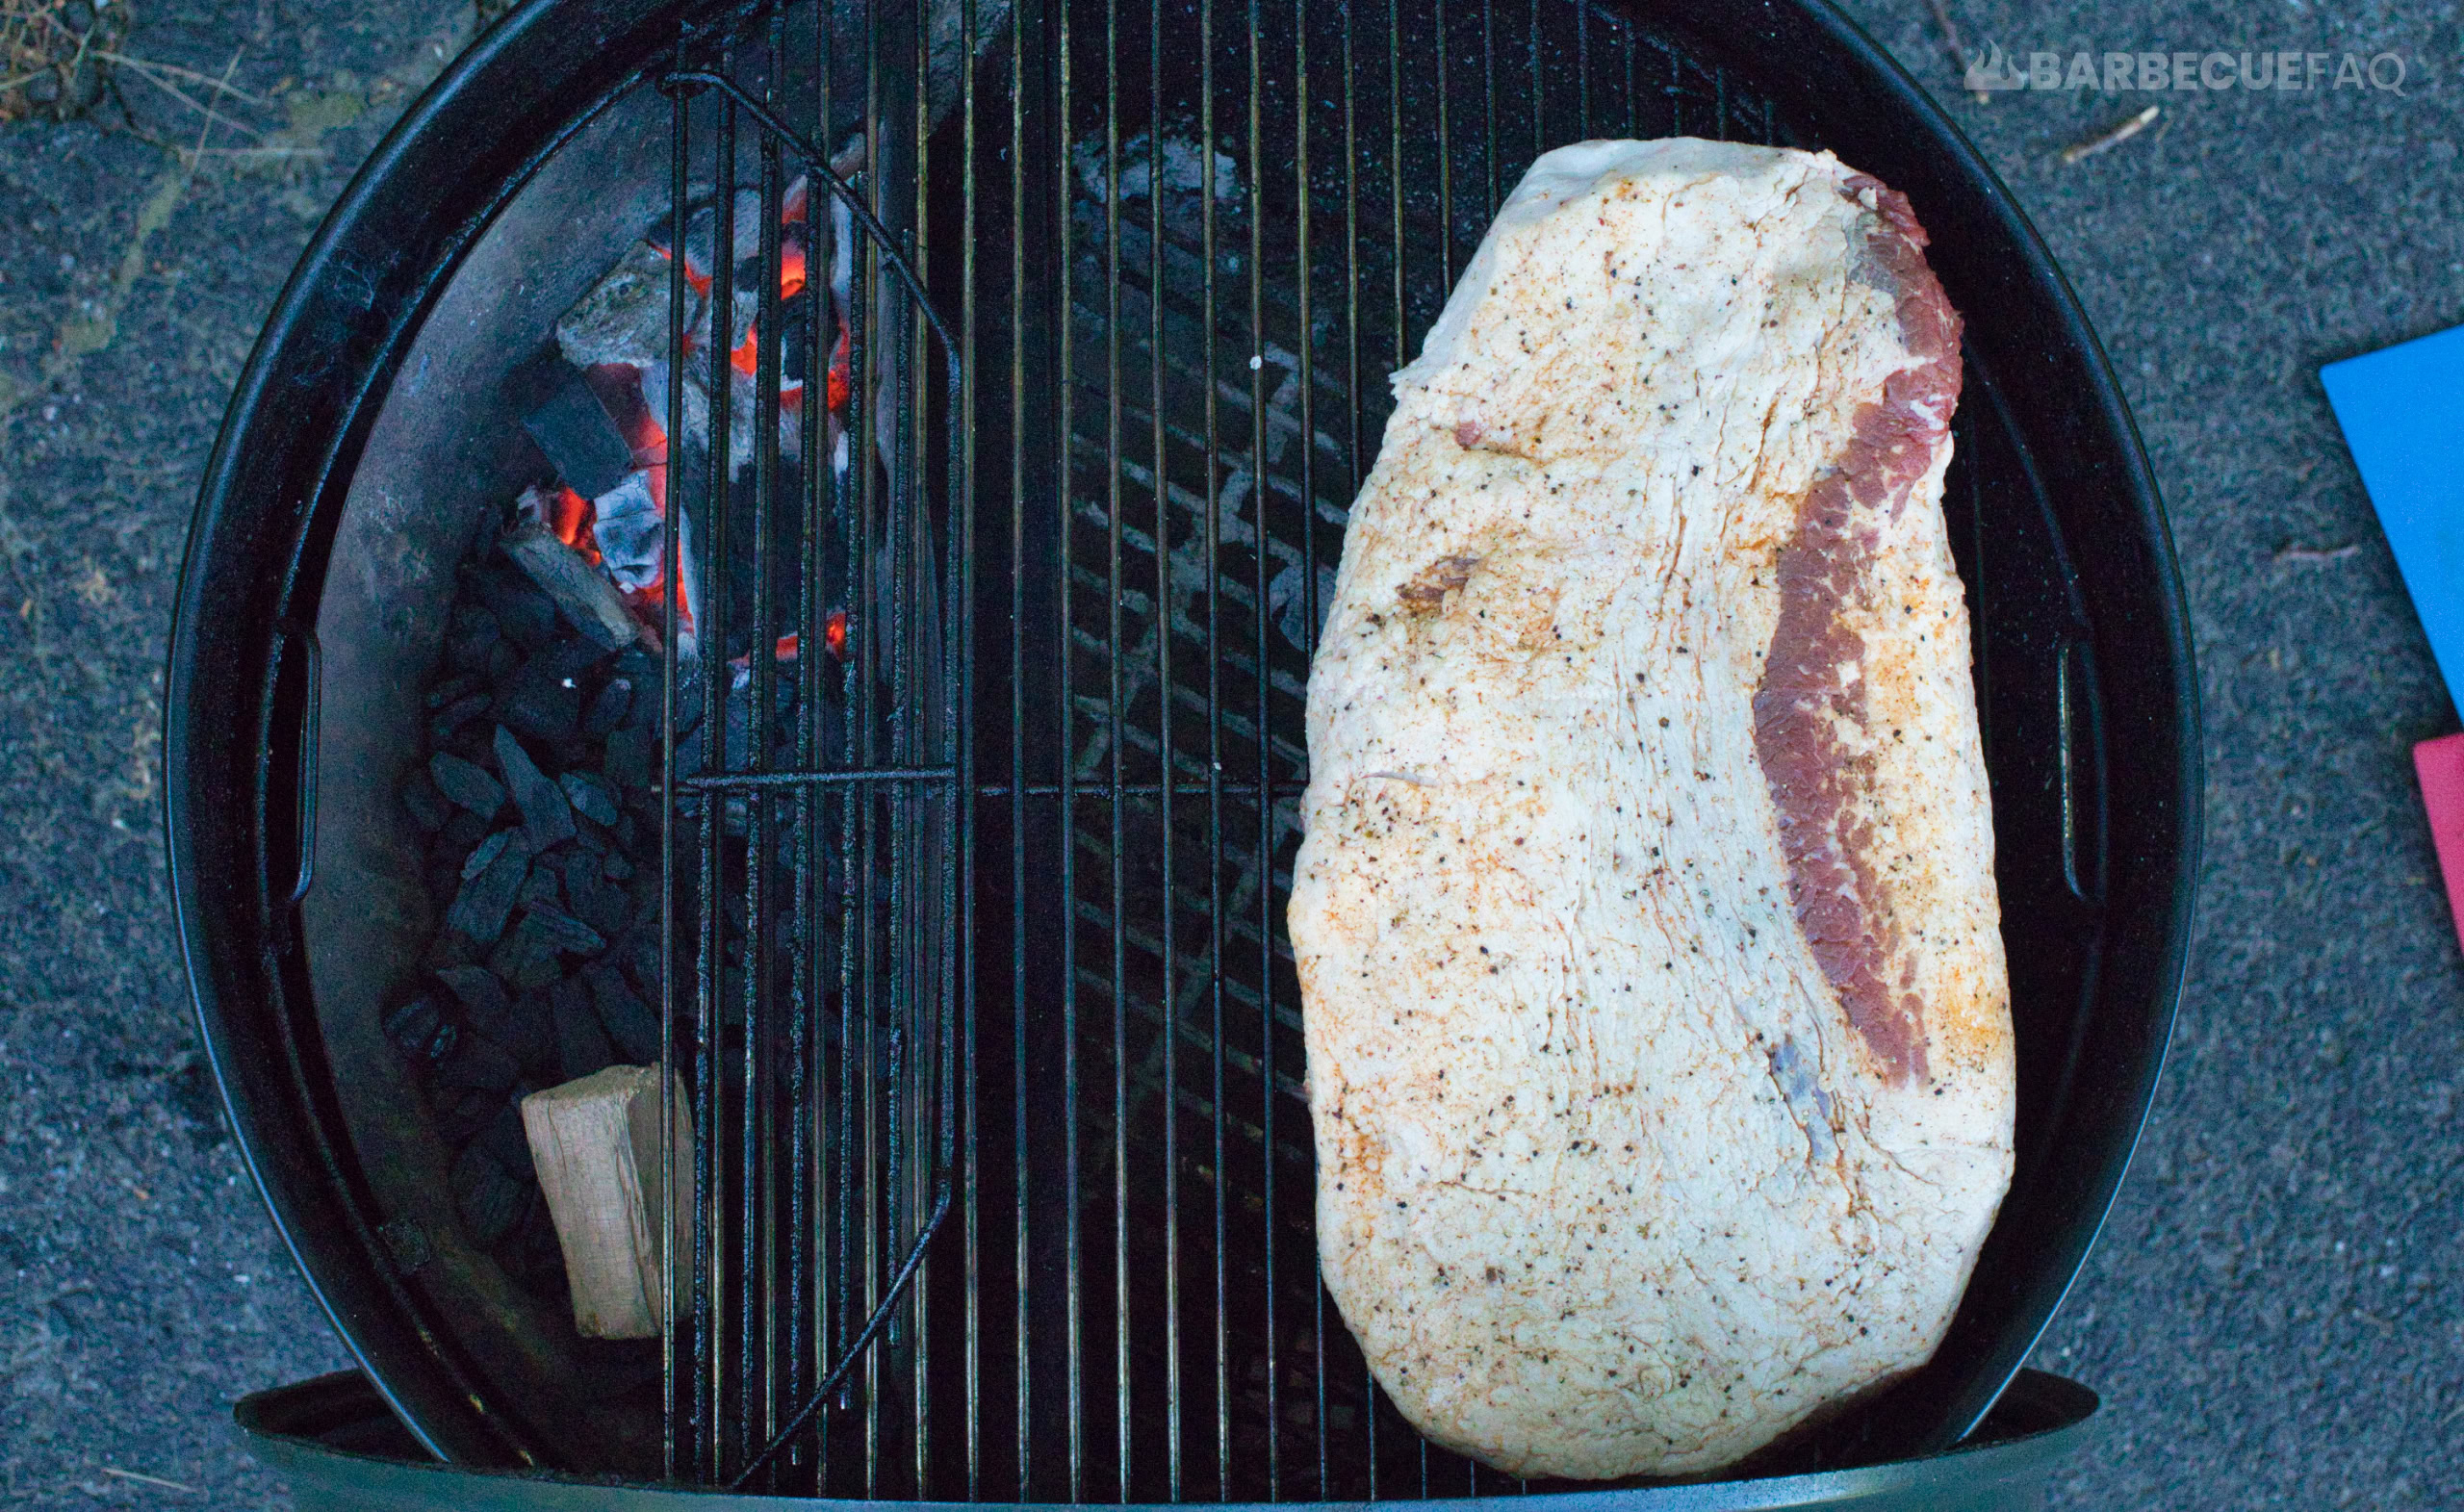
point(2276, 1316)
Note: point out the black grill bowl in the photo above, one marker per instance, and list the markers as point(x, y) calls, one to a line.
point(2083, 665)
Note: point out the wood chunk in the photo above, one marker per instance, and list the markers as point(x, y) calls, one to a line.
point(581, 593)
point(596, 1145)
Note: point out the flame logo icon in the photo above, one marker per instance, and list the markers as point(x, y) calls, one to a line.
point(1991, 73)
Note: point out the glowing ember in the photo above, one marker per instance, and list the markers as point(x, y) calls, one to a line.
point(569, 516)
point(650, 606)
point(834, 638)
point(839, 384)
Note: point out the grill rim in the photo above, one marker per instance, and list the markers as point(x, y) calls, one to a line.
point(337, 335)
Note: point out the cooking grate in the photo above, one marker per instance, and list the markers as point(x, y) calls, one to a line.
point(1000, 1173)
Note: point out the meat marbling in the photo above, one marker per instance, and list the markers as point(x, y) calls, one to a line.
point(1659, 1027)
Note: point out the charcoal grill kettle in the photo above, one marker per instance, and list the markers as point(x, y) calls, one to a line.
point(1387, 134)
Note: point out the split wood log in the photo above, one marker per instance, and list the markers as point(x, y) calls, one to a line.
point(581, 591)
point(596, 1145)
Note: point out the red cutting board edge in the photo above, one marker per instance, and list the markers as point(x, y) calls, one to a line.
point(2440, 765)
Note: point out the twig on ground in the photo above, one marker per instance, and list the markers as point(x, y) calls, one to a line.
point(256, 152)
point(2106, 142)
point(185, 98)
point(196, 154)
point(1958, 50)
point(219, 86)
point(151, 1480)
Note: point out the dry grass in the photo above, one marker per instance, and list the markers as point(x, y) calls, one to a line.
point(56, 56)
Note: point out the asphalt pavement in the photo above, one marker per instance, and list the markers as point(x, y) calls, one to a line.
point(2275, 1315)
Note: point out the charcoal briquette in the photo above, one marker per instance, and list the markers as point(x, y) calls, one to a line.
point(630, 756)
point(636, 664)
point(631, 1024)
point(481, 909)
point(484, 998)
point(420, 1030)
point(607, 708)
point(638, 953)
point(461, 833)
point(503, 1141)
point(547, 817)
point(581, 1043)
point(526, 615)
point(646, 893)
point(462, 1112)
point(480, 1064)
point(451, 948)
point(519, 1026)
point(466, 784)
point(539, 704)
point(565, 932)
point(542, 885)
point(485, 852)
point(570, 655)
point(617, 867)
point(445, 721)
point(505, 660)
point(427, 804)
point(488, 1200)
point(593, 899)
point(589, 795)
point(446, 690)
point(526, 958)
point(470, 639)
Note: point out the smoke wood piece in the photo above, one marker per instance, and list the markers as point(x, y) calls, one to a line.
point(596, 1145)
point(624, 317)
point(580, 592)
